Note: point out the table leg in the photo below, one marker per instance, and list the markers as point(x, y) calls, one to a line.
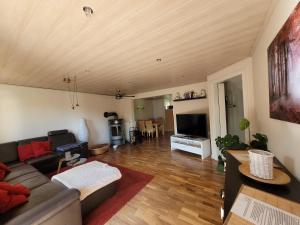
point(59, 165)
point(156, 130)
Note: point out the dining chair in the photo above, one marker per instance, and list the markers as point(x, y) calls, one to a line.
point(149, 128)
point(142, 128)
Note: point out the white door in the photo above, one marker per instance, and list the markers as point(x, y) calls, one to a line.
point(222, 109)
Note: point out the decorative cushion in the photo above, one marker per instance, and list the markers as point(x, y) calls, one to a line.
point(4, 167)
point(40, 148)
point(2, 174)
point(25, 152)
point(17, 189)
point(4, 170)
point(9, 201)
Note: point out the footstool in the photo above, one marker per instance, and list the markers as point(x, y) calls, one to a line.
point(96, 182)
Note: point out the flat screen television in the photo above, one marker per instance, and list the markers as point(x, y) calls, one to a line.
point(192, 124)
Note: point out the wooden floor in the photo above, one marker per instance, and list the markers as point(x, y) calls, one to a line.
point(185, 189)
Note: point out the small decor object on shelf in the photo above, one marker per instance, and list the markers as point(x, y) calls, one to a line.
point(261, 163)
point(178, 95)
point(203, 93)
point(188, 94)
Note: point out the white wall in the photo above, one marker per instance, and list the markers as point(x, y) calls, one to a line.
point(193, 106)
point(284, 138)
point(145, 113)
point(158, 108)
point(30, 112)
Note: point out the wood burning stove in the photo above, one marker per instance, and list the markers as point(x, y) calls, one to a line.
point(116, 129)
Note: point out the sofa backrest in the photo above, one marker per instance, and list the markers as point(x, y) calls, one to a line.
point(28, 141)
point(8, 152)
point(60, 137)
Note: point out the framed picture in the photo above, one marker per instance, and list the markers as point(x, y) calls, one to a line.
point(284, 71)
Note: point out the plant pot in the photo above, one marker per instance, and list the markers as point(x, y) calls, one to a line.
point(220, 166)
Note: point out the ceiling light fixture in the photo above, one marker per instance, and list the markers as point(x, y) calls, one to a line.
point(73, 90)
point(158, 60)
point(88, 11)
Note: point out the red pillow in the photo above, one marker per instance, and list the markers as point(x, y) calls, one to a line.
point(2, 174)
point(17, 189)
point(25, 152)
point(4, 170)
point(9, 201)
point(4, 167)
point(40, 148)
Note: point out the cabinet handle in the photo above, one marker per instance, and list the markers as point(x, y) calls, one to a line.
point(222, 213)
point(222, 194)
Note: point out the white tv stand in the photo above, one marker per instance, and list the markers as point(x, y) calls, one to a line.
point(199, 146)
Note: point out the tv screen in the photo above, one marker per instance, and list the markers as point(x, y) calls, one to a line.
point(192, 124)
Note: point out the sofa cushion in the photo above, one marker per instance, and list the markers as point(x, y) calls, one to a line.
point(38, 196)
point(30, 180)
point(40, 148)
point(45, 164)
point(25, 152)
point(8, 152)
point(18, 170)
point(29, 140)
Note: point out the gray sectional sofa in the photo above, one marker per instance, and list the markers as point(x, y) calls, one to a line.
point(49, 202)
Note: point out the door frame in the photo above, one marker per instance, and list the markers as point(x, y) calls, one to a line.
point(243, 68)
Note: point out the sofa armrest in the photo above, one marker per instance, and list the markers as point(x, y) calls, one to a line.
point(63, 208)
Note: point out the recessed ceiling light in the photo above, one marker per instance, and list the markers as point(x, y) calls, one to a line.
point(88, 11)
point(158, 60)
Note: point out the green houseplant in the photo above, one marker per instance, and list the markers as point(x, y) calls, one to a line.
point(245, 125)
point(260, 141)
point(225, 143)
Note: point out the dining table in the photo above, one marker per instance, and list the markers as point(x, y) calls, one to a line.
point(156, 125)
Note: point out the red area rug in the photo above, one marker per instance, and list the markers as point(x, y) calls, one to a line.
point(127, 187)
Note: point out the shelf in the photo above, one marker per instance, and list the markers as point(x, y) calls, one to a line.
point(187, 99)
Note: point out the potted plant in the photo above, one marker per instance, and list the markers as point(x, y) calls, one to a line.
point(225, 143)
point(260, 140)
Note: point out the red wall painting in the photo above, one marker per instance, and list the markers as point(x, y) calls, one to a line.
point(284, 71)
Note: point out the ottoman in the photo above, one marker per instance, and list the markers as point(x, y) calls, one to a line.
point(96, 182)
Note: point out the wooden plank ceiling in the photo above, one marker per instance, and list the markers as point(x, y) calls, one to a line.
point(42, 41)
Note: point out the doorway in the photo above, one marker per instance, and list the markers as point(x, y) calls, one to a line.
point(156, 109)
point(231, 107)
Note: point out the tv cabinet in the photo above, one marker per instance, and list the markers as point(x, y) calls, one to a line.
point(196, 145)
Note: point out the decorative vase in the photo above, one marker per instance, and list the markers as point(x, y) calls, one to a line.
point(83, 134)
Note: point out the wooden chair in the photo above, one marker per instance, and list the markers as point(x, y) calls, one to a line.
point(149, 128)
point(142, 127)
